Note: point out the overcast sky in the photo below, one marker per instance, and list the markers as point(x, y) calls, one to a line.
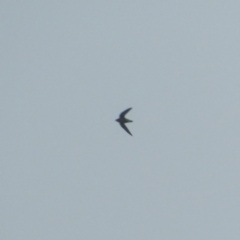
point(68, 171)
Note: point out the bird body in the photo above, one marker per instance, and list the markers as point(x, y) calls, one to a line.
point(122, 120)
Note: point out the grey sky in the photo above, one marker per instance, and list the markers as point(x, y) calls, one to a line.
point(69, 171)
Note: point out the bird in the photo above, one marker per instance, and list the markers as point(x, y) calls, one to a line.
point(122, 120)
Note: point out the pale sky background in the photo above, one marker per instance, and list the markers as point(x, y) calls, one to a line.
point(68, 171)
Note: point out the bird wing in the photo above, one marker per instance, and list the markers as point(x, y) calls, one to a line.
point(125, 128)
point(124, 112)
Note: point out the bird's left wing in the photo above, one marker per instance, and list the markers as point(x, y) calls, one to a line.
point(125, 112)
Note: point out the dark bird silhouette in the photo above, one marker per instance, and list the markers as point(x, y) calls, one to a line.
point(122, 120)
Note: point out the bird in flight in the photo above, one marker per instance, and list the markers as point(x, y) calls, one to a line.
point(122, 120)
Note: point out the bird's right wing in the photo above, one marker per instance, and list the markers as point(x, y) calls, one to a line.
point(125, 128)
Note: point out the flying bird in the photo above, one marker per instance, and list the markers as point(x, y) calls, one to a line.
point(122, 120)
